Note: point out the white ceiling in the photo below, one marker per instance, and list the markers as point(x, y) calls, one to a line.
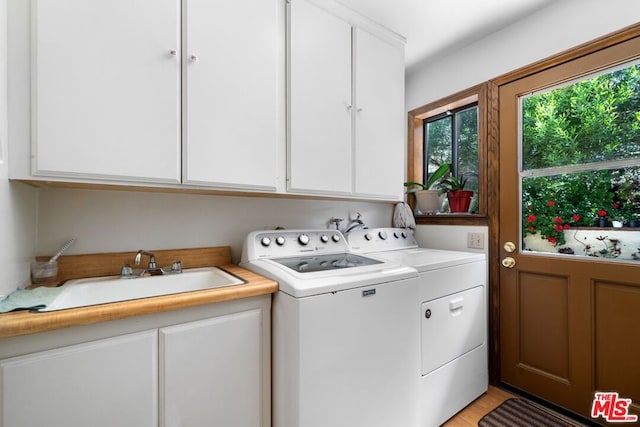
point(433, 27)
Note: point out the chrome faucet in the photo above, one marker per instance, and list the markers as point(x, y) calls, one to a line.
point(152, 259)
point(356, 223)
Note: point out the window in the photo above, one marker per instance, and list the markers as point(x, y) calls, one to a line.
point(579, 166)
point(452, 130)
point(452, 137)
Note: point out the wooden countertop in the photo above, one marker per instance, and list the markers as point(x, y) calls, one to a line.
point(23, 322)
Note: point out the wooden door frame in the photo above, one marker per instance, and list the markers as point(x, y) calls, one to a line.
point(493, 173)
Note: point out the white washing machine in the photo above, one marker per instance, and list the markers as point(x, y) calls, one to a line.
point(453, 318)
point(345, 340)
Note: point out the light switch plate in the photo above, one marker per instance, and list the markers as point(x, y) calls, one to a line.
point(475, 240)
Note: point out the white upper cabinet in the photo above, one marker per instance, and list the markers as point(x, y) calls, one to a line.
point(379, 117)
point(106, 89)
point(346, 104)
point(166, 92)
point(320, 106)
point(233, 99)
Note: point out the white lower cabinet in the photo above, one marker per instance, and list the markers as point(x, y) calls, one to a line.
point(109, 382)
point(204, 366)
point(211, 372)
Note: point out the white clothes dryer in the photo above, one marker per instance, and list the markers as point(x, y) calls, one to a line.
point(452, 305)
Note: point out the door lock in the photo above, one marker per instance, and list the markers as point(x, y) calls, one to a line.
point(508, 262)
point(509, 247)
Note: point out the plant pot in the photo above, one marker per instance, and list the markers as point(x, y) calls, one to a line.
point(635, 223)
point(616, 224)
point(428, 201)
point(603, 222)
point(459, 200)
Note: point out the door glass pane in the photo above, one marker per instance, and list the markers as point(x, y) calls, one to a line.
point(580, 167)
point(593, 120)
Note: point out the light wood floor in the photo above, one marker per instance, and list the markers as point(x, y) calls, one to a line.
point(470, 415)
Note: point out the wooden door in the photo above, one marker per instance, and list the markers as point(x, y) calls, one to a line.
point(568, 324)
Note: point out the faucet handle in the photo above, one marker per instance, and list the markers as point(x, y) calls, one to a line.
point(126, 272)
point(176, 267)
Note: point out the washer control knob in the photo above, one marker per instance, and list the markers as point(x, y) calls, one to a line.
point(367, 236)
point(335, 238)
point(382, 235)
point(404, 235)
point(280, 240)
point(324, 238)
point(265, 241)
point(396, 235)
point(303, 239)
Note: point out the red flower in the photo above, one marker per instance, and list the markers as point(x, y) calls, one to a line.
point(551, 203)
point(576, 217)
point(531, 218)
point(532, 229)
point(529, 207)
point(567, 226)
point(616, 205)
point(602, 213)
point(558, 228)
point(558, 220)
point(552, 240)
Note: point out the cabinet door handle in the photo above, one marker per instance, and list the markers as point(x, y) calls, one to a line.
point(193, 58)
point(173, 52)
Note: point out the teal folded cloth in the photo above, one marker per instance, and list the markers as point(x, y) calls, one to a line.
point(29, 299)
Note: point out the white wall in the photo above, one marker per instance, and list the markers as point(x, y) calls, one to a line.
point(452, 238)
point(112, 221)
point(562, 25)
point(17, 201)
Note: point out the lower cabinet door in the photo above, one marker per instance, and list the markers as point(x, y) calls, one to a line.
point(104, 383)
point(212, 372)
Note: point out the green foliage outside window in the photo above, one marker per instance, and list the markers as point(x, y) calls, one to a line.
point(591, 122)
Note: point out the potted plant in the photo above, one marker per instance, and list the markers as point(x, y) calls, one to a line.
point(428, 200)
point(459, 198)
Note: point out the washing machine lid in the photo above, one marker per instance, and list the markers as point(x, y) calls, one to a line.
point(423, 259)
point(325, 262)
point(310, 283)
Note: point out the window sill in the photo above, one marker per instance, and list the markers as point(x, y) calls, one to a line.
point(452, 219)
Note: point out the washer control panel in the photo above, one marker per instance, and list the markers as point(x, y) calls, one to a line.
point(286, 243)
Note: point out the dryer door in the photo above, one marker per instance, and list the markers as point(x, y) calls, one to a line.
point(451, 326)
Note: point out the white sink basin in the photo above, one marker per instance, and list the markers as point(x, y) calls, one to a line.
point(102, 290)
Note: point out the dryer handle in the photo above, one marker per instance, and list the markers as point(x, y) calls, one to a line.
point(455, 305)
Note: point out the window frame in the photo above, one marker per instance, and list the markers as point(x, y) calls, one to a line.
point(415, 150)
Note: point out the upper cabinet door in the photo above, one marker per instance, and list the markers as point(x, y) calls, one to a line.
point(106, 89)
point(233, 68)
point(379, 117)
point(320, 101)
